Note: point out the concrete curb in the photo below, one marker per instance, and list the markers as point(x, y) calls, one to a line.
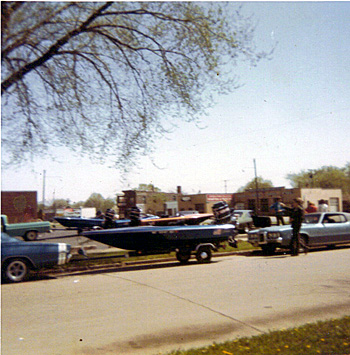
point(123, 264)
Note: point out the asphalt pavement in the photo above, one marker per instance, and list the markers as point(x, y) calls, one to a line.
point(158, 308)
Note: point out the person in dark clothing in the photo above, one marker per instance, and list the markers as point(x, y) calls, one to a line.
point(296, 217)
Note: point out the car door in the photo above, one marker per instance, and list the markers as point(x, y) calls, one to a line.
point(336, 228)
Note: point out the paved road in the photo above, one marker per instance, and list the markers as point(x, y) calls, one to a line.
point(165, 307)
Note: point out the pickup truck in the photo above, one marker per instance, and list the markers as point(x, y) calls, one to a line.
point(28, 231)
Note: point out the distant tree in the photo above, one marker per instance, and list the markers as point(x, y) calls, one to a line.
point(325, 177)
point(60, 203)
point(147, 187)
point(96, 200)
point(77, 204)
point(106, 79)
point(262, 184)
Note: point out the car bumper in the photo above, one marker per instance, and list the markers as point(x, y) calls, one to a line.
point(260, 239)
point(64, 254)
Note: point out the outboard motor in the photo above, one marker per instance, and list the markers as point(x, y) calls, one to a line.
point(109, 219)
point(135, 217)
point(223, 215)
point(221, 212)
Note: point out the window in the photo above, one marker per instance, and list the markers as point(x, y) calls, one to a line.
point(199, 207)
point(251, 204)
point(334, 204)
point(334, 218)
point(264, 202)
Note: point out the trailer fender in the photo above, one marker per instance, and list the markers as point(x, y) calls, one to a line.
point(211, 245)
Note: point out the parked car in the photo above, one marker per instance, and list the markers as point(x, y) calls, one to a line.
point(318, 229)
point(28, 231)
point(19, 257)
point(244, 220)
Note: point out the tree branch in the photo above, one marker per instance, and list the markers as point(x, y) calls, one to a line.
point(16, 76)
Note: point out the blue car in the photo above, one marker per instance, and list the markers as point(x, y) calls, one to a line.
point(19, 257)
point(318, 229)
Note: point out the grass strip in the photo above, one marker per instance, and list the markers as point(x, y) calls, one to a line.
point(111, 257)
point(331, 337)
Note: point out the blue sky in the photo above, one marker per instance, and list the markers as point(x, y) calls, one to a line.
point(291, 114)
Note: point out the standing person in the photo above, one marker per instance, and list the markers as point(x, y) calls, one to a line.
point(310, 207)
point(296, 218)
point(278, 208)
point(322, 207)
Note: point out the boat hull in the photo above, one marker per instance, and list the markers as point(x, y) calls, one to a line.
point(160, 239)
point(87, 223)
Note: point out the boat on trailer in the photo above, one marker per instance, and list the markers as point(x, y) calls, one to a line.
point(184, 240)
point(89, 223)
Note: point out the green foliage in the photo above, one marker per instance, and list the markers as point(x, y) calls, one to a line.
point(61, 203)
point(326, 177)
point(147, 187)
point(105, 79)
point(96, 200)
point(323, 337)
point(262, 184)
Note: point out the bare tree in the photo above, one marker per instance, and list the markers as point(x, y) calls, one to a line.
point(107, 79)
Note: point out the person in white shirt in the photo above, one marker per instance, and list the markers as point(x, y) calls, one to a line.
point(322, 207)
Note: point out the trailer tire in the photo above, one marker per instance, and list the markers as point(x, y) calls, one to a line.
point(203, 254)
point(183, 255)
point(30, 236)
point(268, 249)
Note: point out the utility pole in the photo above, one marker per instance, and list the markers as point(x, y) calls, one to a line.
point(256, 189)
point(44, 178)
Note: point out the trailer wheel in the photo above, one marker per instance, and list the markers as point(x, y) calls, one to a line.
point(203, 254)
point(268, 249)
point(31, 236)
point(15, 270)
point(183, 255)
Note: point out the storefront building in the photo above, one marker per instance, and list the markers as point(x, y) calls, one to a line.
point(262, 199)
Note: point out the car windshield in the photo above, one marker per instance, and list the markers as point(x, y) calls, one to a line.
point(238, 213)
point(5, 238)
point(312, 218)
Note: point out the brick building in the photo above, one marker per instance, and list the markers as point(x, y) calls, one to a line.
point(19, 206)
point(162, 203)
point(262, 199)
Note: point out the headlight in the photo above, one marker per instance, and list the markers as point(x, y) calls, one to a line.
point(273, 235)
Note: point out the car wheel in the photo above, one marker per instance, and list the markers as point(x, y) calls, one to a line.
point(203, 254)
point(304, 244)
point(31, 236)
point(183, 255)
point(15, 270)
point(268, 249)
